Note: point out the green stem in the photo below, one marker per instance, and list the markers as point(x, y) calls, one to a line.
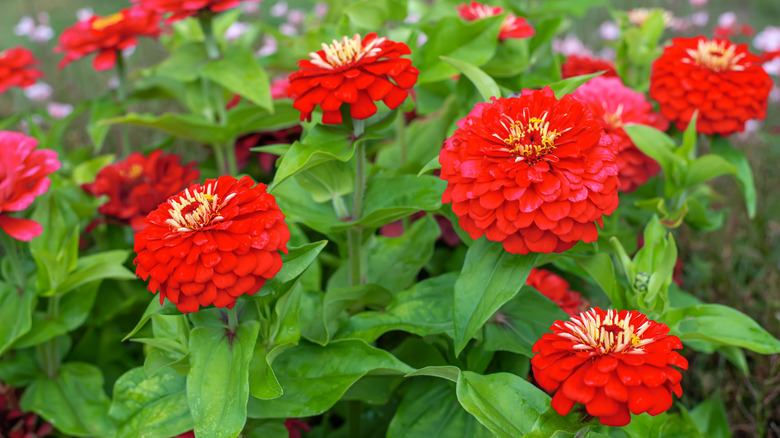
point(212, 49)
point(341, 208)
point(121, 90)
point(219, 155)
point(48, 352)
point(232, 164)
point(357, 268)
point(232, 320)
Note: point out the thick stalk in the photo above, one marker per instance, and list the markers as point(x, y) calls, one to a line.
point(219, 155)
point(121, 91)
point(230, 157)
point(48, 352)
point(357, 269)
point(212, 49)
point(232, 320)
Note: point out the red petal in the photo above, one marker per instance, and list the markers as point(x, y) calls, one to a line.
point(20, 229)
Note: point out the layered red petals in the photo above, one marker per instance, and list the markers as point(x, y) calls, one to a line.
point(374, 71)
point(611, 382)
point(512, 27)
point(107, 36)
point(576, 65)
point(554, 287)
point(613, 105)
point(23, 177)
point(16, 69)
point(181, 9)
point(724, 82)
point(138, 184)
point(212, 243)
point(544, 203)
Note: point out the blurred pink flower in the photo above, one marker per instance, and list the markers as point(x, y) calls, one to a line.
point(38, 92)
point(698, 3)
point(278, 9)
point(609, 31)
point(570, 45)
point(235, 30)
point(59, 110)
point(279, 88)
point(269, 47)
point(320, 9)
point(768, 40)
point(296, 17)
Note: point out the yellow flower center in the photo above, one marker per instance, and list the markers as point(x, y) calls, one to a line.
point(528, 141)
point(613, 119)
point(610, 335)
point(103, 22)
point(346, 51)
point(133, 172)
point(716, 56)
point(196, 210)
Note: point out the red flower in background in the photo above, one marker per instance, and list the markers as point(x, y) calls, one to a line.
point(532, 172)
point(23, 177)
point(512, 27)
point(212, 243)
point(554, 287)
point(107, 36)
point(613, 105)
point(722, 80)
point(612, 362)
point(187, 8)
point(14, 423)
point(576, 65)
point(293, 424)
point(356, 72)
point(16, 69)
point(138, 184)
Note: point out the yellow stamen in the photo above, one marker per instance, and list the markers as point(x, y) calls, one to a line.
point(612, 335)
point(716, 56)
point(103, 22)
point(196, 210)
point(346, 51)
point(530, 141)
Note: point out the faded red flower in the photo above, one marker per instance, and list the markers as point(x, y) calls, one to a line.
point(554, 287)
point(576, 65)
point(613, 362)
point(720, 79)
point(107, 36)
point(293, 425)
point(532, 172)
point(212, 243)
point(181, 9)
point(512, 27)
point(16, 69)
point(23, 177)
point(136, 185)
point(245, 143)
point(14, 423)
point(614, 105)
point(356, 72)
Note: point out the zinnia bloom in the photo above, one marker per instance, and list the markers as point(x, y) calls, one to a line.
point(512, 27)
point(554, 287)
point(212, 243)
point(187, 8)
point(16, 69)
point(613, 104)
point(613, 362)
point(576, 65)
point(722, 80)
point(138, 184)
point(354, 72)
point(23, 176)
point(532, 172)
point(107, 36)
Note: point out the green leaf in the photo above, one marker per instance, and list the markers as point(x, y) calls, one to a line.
point(184, 63)
point(485, 84)
point(256, 119)
point(298, 259)
point(154, 308)
point(447, 372)
point(299, 207)
point(432, 165)
point(744, 174)
point(74, 401)
point(655, 144)
point(218, 382)
point(86, 171)
point(687, 147)
point(102, 108)
point(74, 309)
point(568, 85)
point(16, 311)
point(94, 273)
point(314, 378)
point(601, 269)
point(185, 126)
point(262, 381)
point(150, 407)
point(490, 277)
point(710, 418)
point(706, 168)
point(239, 72)
point(720, 325)
point(329, 180)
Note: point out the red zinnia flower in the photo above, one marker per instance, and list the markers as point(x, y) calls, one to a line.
point(612, 362)
point(107, 36)
point(532, 172)
point(23, 176)
point(512, 27)
point(584, 65)
point(613, 104)
point(722, 80)
point(138, 184)
point(16, 69)
point(554, 287)
point(354, 72)
point(187, 8)
point(211, 243)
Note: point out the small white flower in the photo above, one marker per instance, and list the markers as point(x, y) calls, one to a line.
point(772, 67)
point(84, 14)
point(288, 29)
point(38, 92)
point(696, 3)
point(269, 47)
point(296, 16)
point(609, 31)
point(279, 9)
point(768, 40)
point(412, 18)
point(421, 39)
point(113, 83)
point(59, 110)
point(320, 9)
point(727, 19)
point(236, 29)
point(570, 45)
point(42, 34)
point(250, 7)
point(700, 18)
point(25, 27)
point(774, 95)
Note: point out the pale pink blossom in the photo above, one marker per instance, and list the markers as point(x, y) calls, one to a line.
point(278, 9)
point(38, 92)
point(269, 47)
point(235, 30)
point(59, 110)
point(768, 40)
point(296, 17)
point(609, 31)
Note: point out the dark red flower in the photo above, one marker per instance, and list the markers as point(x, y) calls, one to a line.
point(720, 79)
point(212, 243)
point(612, 362)
point(246, 142)
point(293, 424)
point(512, 27)
point(576, 65)
point(138, 184)
point(14, 423)
point(181, 9)
point(532, 172)
point(554, 287)
point(107, 36)
point(23, 177)
point(733, 30)
point(16, 69)
point(356, 72)
point(613, 105)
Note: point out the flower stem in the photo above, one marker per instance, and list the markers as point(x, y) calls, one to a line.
point(212, 49)
point(357, 268)
point(219, 155)
point(232, 320)
point(121, 90)
point(230, 157)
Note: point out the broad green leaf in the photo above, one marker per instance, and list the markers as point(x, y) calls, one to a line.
point(655, 144)
point(568, 85)
point(16, 312)
point(601, 269)
point(185, 126)
point(688, 145)
point(744, 174)
point(314, 378)
point(320, 145)
point(218, 382)
point(154, 308)
point(184, 63)
point(298, 259)
point(490, 277)
point(432, 165)
point(267, 429)
point(710, 417)
point(485, 84)
point(262, 379)
point(86, 171)
point(299, 207)
point(706, 168)
point(94, 273)
point(74, 401)
point(239, 72)
point(329, 180)
point(256, 119)
point(150, 407)
point(102, 108)
point(447, 372)
point(430, 410)
point(74, 308)
point(563, 7)
point(366, 14)
point(365, 295)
